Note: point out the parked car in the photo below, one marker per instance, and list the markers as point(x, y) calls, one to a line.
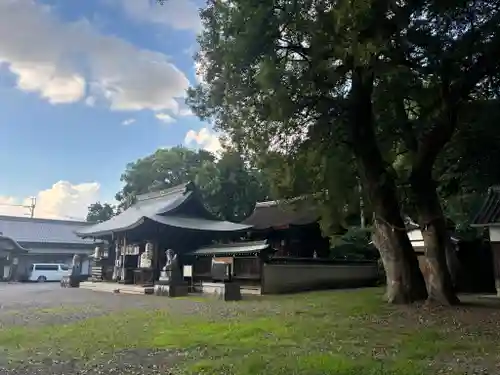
point(41, 272)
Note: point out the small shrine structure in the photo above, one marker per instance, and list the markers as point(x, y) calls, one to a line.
point(138, 238)
point(291, 227)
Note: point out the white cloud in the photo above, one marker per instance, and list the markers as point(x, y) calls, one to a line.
point(62, 201)
point(163, 117)
point(128, 121)
point(178, 14)
point(204, 138)
point(69, 62)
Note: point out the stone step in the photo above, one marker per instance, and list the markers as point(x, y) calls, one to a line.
point(116, 288)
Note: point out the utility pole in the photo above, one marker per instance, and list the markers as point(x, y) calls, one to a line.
point(32, 207)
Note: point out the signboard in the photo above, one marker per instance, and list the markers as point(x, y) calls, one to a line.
point(187, 271)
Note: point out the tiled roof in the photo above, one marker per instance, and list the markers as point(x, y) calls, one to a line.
point(28, 230)
point(274, 214)
point(178, 207)
point(8, 244)
point(490, 211)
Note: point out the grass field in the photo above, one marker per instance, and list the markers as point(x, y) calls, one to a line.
point(337, 332)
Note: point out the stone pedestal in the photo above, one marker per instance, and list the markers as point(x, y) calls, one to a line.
point(232, 292)
point(70, 282)
point(175, 290)
point(229, 292)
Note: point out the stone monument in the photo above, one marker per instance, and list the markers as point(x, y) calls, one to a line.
point(146, 258)
point(72, 279)
point(171, 283)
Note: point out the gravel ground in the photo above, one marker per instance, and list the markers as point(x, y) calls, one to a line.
point(47, 304)
point(35, 305)
point(136, 362)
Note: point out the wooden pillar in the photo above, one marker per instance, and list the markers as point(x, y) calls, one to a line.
point(116, 269)
point(122, 268)
point(495, 250)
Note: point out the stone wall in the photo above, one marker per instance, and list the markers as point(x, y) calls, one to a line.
point(294, 277)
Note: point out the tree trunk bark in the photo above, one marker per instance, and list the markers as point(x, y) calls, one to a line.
point(405, 282)
point(436, 238)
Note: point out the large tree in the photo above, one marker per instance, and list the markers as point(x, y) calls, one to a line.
point(164, 168)
point(285, 73)
point(99, 212)
point(228, 185)
point(442, 56)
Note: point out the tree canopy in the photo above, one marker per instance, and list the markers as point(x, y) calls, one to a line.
point(99, 212)
point(373, 90)
point(229, 185)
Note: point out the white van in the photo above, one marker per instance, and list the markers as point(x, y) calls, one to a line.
point(41, 272)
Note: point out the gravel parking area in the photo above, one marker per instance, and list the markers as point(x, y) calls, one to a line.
point(42, 304)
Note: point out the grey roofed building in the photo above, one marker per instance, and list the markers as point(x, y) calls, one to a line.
point(46, 241)
point(9, 245)
point(179, 207)
point(26, 230)
point(276, 214)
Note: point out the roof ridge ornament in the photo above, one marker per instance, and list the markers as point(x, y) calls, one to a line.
point(184, 188)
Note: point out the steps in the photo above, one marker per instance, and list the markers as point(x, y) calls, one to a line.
point(115, 288)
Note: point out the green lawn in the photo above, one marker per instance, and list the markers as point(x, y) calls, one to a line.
point(337, 332)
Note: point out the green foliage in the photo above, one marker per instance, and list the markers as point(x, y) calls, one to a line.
point(98, 212)
point(354, 245)
point(230, 187)
point(279, 80)
point(163, 169)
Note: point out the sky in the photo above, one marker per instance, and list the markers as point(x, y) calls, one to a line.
point(87, 87)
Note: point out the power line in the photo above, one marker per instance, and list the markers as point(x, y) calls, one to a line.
point(30, 207)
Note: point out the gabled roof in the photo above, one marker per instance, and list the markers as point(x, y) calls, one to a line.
point(43, 231)
point(177, 207)
point(9, 244)
point(276, 214)
point(242, 248)
point(489, 213)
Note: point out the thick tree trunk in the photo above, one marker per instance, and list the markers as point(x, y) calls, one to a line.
point(405, 282)
point(436, 238)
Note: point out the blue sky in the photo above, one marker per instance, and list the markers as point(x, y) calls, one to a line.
point(85, 88)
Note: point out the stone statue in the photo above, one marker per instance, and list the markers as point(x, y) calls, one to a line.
point(171, 272)
point(170, 282)
point(76, 266)
point(146, 258)
point(72, 279)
